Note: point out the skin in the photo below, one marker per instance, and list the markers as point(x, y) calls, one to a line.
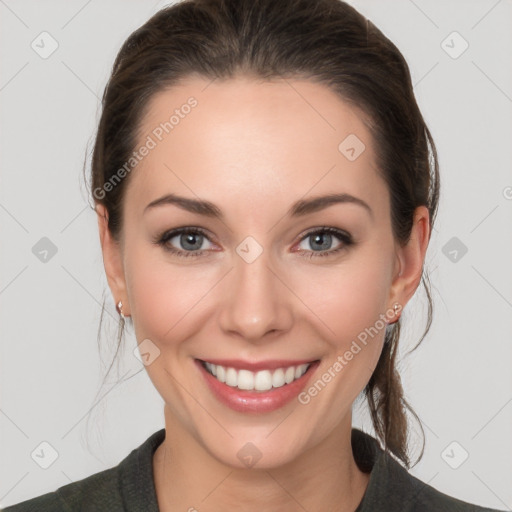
point(253, 148)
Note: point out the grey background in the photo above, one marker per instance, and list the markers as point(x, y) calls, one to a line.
point(459, 381)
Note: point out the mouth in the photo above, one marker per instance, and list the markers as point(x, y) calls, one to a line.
point(256, 387)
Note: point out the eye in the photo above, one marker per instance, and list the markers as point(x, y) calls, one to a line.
point(322, 238)
point(190, 239)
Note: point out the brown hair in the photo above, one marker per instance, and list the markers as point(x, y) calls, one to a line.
point(326, 41)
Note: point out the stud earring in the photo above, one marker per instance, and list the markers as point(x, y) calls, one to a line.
point(119, 308)
point(396, 309)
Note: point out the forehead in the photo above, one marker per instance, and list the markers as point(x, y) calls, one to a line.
point(254, 138)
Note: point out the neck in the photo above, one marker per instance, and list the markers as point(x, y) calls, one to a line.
point(325, 477)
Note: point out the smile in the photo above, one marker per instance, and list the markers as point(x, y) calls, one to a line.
point(256, 387)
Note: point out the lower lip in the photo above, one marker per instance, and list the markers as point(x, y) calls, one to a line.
point(256, 401)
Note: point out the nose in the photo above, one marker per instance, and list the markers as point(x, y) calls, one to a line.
point(256, 304)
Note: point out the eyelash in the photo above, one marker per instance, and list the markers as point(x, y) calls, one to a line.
point(163, 239)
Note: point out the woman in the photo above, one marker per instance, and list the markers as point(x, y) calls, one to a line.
point(236, 135)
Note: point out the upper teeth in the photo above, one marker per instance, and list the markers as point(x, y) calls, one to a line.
point(259, 381)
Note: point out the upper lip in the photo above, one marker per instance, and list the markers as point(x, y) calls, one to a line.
point(255, 366)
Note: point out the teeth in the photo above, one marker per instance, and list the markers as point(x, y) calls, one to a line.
point(259, 381)
point(231, 377)
point(278, 378)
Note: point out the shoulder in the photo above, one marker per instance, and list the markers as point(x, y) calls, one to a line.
point(391, 487)
point(418, 496)
point(127, 486)
point(96, 492)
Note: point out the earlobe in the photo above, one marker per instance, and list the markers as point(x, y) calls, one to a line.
point(112, 259)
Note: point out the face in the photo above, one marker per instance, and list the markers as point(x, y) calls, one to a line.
point(268, 279)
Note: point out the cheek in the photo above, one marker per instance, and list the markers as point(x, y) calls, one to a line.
point(350, 301)
point(163, 296)
point(350, 297)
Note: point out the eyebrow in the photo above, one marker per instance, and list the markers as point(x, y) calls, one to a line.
point(298, 209)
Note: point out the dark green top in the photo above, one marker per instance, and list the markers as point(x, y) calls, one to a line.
point(129, 486)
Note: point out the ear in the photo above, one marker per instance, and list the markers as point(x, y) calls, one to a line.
point(410, 259)
point(112, 260)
